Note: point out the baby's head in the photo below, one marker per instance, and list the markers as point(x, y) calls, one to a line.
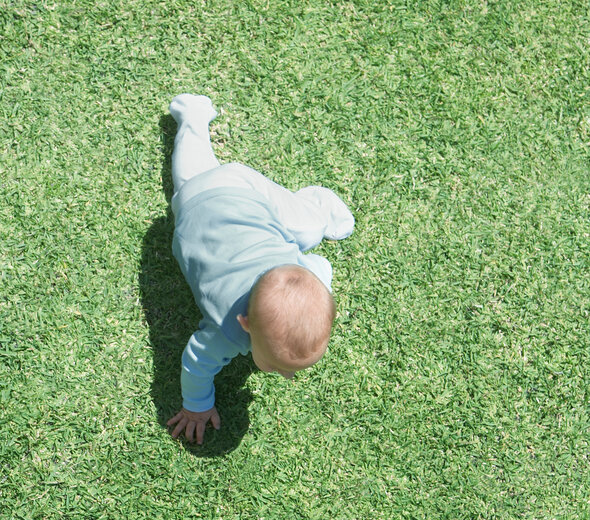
point(290, 316)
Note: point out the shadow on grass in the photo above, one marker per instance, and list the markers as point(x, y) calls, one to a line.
point(172, 316)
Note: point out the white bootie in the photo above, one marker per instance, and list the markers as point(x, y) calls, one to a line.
point(339, 217)
point(193, 109)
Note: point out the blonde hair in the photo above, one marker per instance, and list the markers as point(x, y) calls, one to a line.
point(294, 311)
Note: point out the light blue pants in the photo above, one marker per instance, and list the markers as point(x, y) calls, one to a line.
point(310, 214)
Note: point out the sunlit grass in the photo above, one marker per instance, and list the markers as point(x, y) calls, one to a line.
point(456, 381)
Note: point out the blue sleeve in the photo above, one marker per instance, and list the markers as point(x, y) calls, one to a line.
point(319, 266)
point(204, 356)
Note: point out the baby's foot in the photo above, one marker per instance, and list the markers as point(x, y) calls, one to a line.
point(189, 106)
point(339, 217)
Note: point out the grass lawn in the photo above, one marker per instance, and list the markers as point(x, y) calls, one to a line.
point(457, 381)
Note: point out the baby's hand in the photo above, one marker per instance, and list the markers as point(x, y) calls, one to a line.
point(191, 421)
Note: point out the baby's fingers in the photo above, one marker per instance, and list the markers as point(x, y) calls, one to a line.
point(200, 431)
point(179, 427)
point(175, 419)
point(215, 420)
point(189, 433)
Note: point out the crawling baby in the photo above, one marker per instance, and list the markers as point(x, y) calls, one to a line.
point(240, 241)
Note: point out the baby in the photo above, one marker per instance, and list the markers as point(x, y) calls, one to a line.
point(239, 240)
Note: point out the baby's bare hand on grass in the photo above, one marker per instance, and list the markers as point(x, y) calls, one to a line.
point(194, 422)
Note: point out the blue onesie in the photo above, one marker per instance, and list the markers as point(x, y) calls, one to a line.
point(232, 225)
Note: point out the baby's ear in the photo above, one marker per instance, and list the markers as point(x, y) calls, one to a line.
point(243, 322)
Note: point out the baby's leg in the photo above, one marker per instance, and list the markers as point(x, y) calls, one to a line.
point(310, 214)
point(192, 147)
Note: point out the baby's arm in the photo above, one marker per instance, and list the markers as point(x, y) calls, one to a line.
point(199, 366)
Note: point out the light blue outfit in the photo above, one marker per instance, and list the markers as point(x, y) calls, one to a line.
point(232, 225)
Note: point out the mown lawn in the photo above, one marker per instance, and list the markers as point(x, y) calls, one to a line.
point(456, 383)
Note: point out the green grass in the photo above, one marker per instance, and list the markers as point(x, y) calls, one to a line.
point(456, 384)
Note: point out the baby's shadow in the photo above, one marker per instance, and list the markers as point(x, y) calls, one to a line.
point(172, 316)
